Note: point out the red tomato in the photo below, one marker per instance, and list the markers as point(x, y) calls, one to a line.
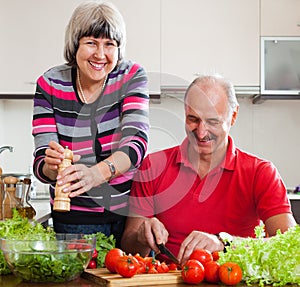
point(173, 266)
point(150, 262)
point(215, 255)
point(111, 259)
point(95, 253)
point(142, 265)
point(127, 266)
point(192, 272)
point(152, 270)
point(202, 255)
point(230, 273)
point(162, 268)
point(92, 264)
point(211, 273)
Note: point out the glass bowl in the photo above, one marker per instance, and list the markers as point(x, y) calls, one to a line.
point(60, 259)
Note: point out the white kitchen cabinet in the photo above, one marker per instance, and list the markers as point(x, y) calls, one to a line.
point(32, 34)
point(200, 36)
point(280, 17)
point(142, 18)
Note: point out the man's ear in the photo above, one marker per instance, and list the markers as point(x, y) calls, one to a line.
point(234, 115)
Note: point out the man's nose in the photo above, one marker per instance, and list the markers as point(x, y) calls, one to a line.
point(202, 128)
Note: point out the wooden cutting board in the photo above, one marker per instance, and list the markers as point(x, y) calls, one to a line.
point(104, 278)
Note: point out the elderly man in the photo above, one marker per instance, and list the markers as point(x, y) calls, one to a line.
point(191, 195)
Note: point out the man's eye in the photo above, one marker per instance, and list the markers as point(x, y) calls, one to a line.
point(213, 122)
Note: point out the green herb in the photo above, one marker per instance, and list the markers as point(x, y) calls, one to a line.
point(273, 261)
point(103, 245)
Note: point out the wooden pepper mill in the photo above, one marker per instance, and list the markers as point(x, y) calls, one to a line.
point(9, 201)
point(62, 200)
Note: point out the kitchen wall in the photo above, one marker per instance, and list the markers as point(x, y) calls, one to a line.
point(270, 130)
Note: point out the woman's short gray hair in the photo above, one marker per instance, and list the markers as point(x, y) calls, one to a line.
point(97, 19)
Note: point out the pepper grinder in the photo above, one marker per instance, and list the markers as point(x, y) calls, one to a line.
point(9, 201)
point(62, 200)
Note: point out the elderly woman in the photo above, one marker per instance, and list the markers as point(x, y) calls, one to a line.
point(96, 105)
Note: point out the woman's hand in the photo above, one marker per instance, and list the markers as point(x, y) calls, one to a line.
point(80, 177)
point(198, 240)
point(54, 157)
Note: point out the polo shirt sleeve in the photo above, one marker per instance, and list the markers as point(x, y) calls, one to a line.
point(270, 192)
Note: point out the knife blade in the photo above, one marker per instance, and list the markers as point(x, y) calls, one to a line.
point(164, 250)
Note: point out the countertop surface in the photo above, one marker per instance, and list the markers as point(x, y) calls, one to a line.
point(12, 281)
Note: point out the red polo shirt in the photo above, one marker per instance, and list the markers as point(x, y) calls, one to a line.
point(233, 197)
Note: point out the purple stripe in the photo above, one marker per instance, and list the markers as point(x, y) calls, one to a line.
point(63, 83)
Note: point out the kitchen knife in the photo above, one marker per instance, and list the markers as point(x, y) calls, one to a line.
point(164, 250)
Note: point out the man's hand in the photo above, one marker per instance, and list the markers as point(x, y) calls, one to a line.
point(198, 240)
point(152, 232)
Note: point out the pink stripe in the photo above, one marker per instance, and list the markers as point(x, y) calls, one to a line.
point(57, 93)
point(94, 209)
point(38, 130)
point(116, 86)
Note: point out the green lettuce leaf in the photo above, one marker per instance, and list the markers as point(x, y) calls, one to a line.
point(272, 261)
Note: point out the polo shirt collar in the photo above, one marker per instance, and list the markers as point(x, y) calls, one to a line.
point(228, 163)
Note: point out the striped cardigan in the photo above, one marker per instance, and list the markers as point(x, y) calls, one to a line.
point(117, 121)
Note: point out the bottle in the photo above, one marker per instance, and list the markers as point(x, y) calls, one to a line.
point(62, 200)
point(24, 208)
point(9, 201)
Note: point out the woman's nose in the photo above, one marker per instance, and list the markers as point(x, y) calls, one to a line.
point(100, 52)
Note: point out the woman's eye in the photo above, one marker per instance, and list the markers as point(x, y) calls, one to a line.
point(111, 44)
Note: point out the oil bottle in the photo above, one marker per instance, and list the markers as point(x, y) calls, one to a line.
point(24, 208)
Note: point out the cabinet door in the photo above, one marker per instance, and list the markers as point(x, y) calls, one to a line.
point(142, 18)
point(33, 31)
point(280, 17)
point(32, 34)
point(200, 36)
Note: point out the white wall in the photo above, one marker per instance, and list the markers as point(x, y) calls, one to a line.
point(270, 130)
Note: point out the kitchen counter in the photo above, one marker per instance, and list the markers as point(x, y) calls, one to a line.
point(43, 210)
point(12, 281)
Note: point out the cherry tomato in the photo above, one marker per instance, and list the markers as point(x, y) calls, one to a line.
point(111, 258)
point(92, 264)
point(152, 270)
point(150, 262)
point(192, 272)
point(230, 273)
point(173, 266)
point(211, 273)
point(202, 255)
point(127, 266)
point(162, 268)
point(216, 255)
point(95, 254)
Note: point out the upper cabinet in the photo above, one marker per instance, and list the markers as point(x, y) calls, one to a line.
point(32, 40)
point(280, 17)
point(33, 32)
point(200, 36)
point(142, 18)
